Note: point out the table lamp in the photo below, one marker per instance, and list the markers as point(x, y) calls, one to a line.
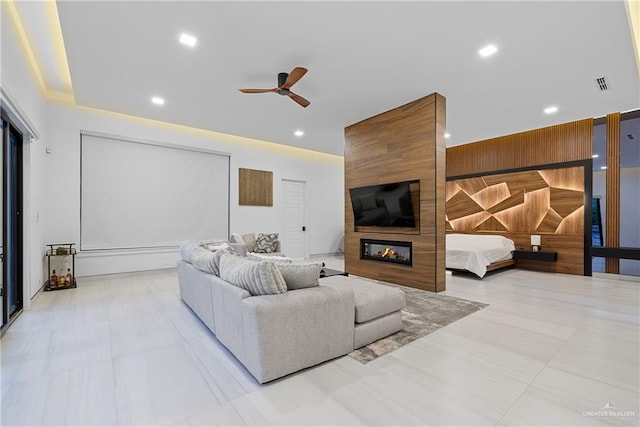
point(535, 242)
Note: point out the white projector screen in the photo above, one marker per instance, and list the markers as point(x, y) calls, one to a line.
point(143, 195)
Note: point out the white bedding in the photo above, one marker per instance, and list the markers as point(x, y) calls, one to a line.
point(473, 252)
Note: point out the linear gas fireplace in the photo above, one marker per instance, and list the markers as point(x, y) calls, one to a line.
point(386, 251)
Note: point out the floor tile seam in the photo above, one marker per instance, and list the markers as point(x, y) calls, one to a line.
point(598, 379)
point(511, 377)
point(380, 397)
point(201, 369)
point(451, 390)
point(527, 388)
point(516, 327)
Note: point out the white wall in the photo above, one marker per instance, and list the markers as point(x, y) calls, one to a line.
point(322, 173)
point(18, 80)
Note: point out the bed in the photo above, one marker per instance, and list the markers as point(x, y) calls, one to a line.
point(478, 253)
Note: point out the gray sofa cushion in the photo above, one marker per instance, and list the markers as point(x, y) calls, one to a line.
point(300, 276)
point(259, 278)
point(373, 299)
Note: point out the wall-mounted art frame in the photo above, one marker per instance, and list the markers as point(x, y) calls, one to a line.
point(255, 187)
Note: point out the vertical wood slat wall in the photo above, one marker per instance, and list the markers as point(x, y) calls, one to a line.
point(554, 144)
point(403, 144)
point(612, 222)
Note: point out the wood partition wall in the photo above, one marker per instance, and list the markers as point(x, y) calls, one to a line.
point(536, 182)
point(403, 144)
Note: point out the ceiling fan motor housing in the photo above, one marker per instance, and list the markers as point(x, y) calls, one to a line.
point(282, 77)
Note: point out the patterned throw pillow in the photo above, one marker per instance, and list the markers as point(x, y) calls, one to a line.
point(266, 243)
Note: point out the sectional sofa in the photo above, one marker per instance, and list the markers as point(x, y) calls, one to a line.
point(292, 329)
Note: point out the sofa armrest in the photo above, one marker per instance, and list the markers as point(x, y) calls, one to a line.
point(288, 332)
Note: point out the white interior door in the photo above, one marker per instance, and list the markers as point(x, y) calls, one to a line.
point(293, 237)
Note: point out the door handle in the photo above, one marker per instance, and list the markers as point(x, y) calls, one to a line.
point(304, 228)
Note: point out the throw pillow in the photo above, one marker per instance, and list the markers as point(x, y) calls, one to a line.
point(186, 248)
point(205, 260)
point(300, 276)
point(250, 241)
point(259, 278)
point(268, 257)
point(266, 243)
point(224, 246)
point(237, 238)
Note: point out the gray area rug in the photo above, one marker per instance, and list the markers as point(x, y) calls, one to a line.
point(425, 312)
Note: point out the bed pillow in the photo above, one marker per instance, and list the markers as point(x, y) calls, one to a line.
point(300, 276)
point(259, 278)
point(266, 243)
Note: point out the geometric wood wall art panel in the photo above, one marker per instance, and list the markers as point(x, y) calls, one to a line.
point(566, 201)
point(550, 222)
point(461, 205)
point(518, 202)
point(567, 178)
point(451, 188)
point(572, 223)
point(472, 185)
point(519, 181)
point(492, 195)
point(515, 200)
point(469, 222)
point(491, 224)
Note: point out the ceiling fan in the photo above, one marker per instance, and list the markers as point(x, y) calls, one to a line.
point(285, 81)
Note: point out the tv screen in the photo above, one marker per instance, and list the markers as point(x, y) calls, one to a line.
point(383, 205)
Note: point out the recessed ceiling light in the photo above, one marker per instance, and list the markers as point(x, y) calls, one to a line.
point(488, 50)
point(595, 156)
point(157, 100)
point(447, 135)
point(188, 40)
point(298, 133)
point(550, 110)
point(603, 167)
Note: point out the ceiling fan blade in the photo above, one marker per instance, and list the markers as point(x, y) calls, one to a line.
point(258, 90)
point(295, 75)
point(300, 100)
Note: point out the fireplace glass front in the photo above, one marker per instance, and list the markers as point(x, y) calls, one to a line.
point(386, 251)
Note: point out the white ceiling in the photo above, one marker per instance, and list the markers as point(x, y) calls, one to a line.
point(363, 58)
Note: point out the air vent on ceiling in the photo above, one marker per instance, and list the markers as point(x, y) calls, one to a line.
point(602, 83)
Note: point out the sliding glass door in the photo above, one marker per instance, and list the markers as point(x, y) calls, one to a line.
point(12, 239)
point(616, 180)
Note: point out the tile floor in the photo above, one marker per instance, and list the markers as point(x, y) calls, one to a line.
point(123, 349)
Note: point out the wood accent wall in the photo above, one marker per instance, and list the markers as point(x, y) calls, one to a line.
point(403, 144)
point(554, 144)
point(548, 202)
point(480, 162)
point(612, 226)
point(256, 187)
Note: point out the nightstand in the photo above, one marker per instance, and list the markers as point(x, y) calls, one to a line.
point(546, 256)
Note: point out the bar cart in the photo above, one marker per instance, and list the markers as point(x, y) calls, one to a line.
point(61, 266)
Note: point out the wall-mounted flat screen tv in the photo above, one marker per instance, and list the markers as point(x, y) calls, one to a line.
point(383, 205)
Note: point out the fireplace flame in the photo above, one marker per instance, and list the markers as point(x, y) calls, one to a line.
point(388, 253)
